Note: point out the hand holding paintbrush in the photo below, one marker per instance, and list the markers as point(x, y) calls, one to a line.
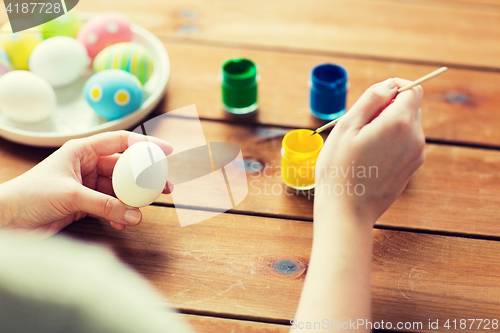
point(409, 86)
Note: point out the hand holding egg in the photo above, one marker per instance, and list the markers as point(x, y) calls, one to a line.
point(84, 167)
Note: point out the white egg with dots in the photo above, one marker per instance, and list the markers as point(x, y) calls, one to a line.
point(140, 174)
point(26, 97)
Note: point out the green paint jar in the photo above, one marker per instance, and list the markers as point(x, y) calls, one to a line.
point(239, 87)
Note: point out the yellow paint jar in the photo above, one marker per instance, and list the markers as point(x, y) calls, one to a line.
point(299, 153)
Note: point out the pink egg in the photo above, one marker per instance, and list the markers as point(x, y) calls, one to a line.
point(4, 69)
point(103, 30)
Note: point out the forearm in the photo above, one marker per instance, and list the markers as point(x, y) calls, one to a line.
point(337, 286)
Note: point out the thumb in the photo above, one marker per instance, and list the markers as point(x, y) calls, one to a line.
point(371, 103)
point(107, 207)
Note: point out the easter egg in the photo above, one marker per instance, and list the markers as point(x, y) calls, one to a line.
point(19, 45)
point(65, 25)
point(104, 30)
point(5, 64)
point(26, 97)
point(143, 163)
point(113, 93)
point(131, 57)
point(59, 60)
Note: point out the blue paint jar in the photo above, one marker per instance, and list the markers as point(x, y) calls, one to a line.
point(328, 84)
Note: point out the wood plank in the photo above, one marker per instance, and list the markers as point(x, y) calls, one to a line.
point(459, 106)
point(202, 324)
point(16, 159)
point(395, 30)
point(470, 5)
point(410, 30)
point(456, 190)
point(226, 266)
point(485, 2)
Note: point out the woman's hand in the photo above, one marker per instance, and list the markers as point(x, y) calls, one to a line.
point(386, 137)
point(73, 181)
point(372, 152)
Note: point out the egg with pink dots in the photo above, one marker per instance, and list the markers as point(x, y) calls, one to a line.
point(104, 30)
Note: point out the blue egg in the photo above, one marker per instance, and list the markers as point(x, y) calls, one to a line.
point(113, 93)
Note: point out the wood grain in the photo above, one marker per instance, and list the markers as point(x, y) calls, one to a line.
point(469, 5)
point(394, 30)
point(457, 190)
point(459, 106)
point(232, 265)
point(202, 324)
point(434, 31)
point(16, 159)
point(227, 266)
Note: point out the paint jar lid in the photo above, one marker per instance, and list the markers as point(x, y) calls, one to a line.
point(329, 78)
point(239, 73)
point(239, 87)
point(328, 85)
point(301, 144)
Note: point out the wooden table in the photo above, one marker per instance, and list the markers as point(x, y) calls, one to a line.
point(436, 251)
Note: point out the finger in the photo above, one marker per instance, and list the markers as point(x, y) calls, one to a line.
point(403, 82)
point(406, 105)
point(106, 165)
point(371, 103)
point(109, 143)
point(168, 188)
point(419, 116)
point(165, 146)
point(117, 226)
point(411, 97)
point(106, 207)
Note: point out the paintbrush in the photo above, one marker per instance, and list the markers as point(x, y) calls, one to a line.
point(409, 86)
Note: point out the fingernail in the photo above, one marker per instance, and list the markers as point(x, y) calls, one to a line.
point(170, 186)
point(132, 216)
point(390, 83)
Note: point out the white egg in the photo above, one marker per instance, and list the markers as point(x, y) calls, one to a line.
point(26, 97)
point(140, 174)
point(59, 60)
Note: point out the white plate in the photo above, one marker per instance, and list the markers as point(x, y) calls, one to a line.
point(74, 118)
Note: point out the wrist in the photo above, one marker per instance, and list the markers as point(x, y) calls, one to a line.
point(13, 198)
point(6, 207)
point(351, 208)
point(336, 221)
